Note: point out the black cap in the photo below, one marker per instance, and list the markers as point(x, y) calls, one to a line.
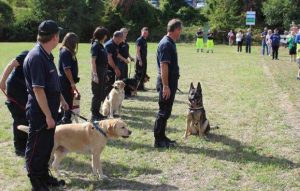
point(48, 27)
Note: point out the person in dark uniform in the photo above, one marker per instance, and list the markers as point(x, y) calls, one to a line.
point(124, 55)
point(99, 63)
point(167, 82)
point(17, 97)
point(141, 58)
point(112, 49)
point(44, 99)
point(68, 72)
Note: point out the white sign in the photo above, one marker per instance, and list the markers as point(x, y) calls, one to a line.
point(250, 17)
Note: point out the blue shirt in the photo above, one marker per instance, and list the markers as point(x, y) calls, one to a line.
point(112, 48)
point(167, 52)
point(98, 51)
point(40, 71)
point(297, 39)
point(67, 61)
point(275, 38)
point(142, 43)
point(264, 34)
point(16, 87)
point(248, 37)
point(124, 49)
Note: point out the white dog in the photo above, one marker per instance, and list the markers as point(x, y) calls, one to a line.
point(113, 102)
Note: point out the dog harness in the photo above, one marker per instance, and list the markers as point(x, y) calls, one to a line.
point(99, 129)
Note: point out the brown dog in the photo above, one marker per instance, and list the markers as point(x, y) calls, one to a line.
point(86, 138)
point(196, 123)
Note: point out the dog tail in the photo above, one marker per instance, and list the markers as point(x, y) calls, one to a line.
point(23, 128)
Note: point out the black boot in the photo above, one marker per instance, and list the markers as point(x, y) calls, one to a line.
point(53, 182)
point(38, 184)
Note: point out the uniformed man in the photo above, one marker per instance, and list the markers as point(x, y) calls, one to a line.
point(42, 107)
point(112, 49)
point(124, 55)
point(167, 82)
point(17, 98)
point(141, 58)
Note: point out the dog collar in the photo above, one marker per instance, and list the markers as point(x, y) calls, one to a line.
point(99, 129)
point(197, 108)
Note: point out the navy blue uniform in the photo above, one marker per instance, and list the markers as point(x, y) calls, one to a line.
point(166, 53)
point(141, 71)
point(124, 51)
point(275, 38)
point(99, 52)
point(16, 89)
point(111, 48)
point(67, 61)
point(40, 71)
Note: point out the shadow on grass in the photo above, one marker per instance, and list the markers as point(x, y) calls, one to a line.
point(109, 169)
point(237, 153)
point(155, 99)
point(119, 184)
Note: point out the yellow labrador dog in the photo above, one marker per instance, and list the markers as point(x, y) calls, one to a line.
point(86, 138)
point(113, 102)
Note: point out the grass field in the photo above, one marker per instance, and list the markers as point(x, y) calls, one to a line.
point(254, 100)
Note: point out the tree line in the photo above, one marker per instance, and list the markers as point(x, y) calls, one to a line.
point(19, 18)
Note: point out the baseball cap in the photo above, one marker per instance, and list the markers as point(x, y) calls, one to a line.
point(48, 27)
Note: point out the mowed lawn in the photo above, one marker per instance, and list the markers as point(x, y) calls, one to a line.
point(254, 100)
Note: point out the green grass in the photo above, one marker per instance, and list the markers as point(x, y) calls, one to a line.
point(254, 149)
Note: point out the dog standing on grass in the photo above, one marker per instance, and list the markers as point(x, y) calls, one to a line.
point(113, 102)
point(196, 123)
point(85, 138)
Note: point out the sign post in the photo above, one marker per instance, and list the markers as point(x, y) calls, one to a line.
point(250, 18)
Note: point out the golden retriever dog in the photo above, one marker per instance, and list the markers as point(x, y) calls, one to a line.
point(113, 102)
point(85, 138)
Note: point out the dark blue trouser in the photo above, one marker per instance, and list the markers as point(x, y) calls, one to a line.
point(140, 72)
point(99, 95)
point(264, 46)
point(165, 109)
point(123, 69)
point(19, 118)
point(68, 94)
point(39, 145)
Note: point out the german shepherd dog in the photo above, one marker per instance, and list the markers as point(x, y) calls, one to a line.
point(196, 123)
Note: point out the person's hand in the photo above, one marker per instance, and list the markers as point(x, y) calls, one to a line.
point(73, 86)
point(50, 122)
point(3, 85)
point(118, 72)
point(131, 59)
point(127, 61)
point(166, 92)
point(140, 63)
point(95, 79)
point(64, 105)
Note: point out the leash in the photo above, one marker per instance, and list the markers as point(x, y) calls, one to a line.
point(94, 124)
point(180, 91)
point(99, 129)
point(13, 100)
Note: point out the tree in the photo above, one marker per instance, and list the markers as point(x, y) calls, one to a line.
point(225, 14)
point(6, 17)
point(281, 12)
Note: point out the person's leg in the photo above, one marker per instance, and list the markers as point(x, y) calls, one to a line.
point(276, 53)
point(249, 48)
point(273, 52)
point(68, 94)
point(97, 98)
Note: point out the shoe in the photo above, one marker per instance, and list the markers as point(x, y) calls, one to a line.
point(53, 182)
point(38, 184)
point(163, 144)
point(20, 153)
point(298, 77)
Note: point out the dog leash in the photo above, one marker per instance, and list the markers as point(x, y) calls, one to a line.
point(13, 100)
point(94, 123)
point(99, 129)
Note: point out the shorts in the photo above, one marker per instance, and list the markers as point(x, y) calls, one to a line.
point(292, 51)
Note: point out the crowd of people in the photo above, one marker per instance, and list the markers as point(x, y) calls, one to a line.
point(32, 79)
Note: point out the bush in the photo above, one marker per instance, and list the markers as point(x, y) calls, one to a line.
point(6, 18)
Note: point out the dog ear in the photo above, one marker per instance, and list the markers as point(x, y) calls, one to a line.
point(199, 87)
point(191, 86)
point(111, 129)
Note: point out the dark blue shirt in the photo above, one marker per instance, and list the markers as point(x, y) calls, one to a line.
point(297, 39)
point(167, 52)
point(67, 61)
point(113, 49)
point(264, 34)
point(98, 51)
point(16, 87)
point(275, 38)
point(40, 71)
point(142, 43)
point(124, 49)
point(248, 37)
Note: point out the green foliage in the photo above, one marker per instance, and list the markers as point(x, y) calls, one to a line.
point(225, 14)
point(6, 17)
point(281, 12)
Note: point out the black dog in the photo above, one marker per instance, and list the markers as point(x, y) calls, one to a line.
point(197, 123)
point(132, 85)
